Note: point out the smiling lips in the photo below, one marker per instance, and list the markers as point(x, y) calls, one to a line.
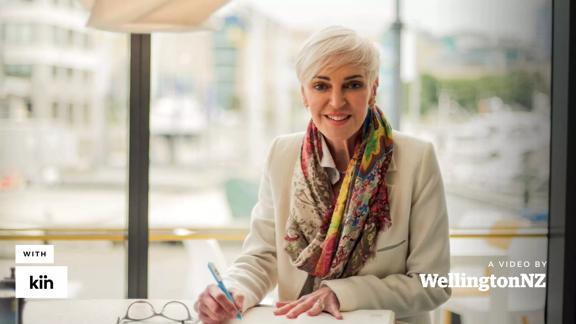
point(338, 118)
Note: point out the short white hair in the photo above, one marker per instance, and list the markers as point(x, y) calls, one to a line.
point(334, 47)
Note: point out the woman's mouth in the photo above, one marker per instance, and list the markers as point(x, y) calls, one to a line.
point(338, 118)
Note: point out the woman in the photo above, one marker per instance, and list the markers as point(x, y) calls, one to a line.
point(349, 213)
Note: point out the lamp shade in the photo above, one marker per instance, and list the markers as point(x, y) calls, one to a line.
point(146, 16)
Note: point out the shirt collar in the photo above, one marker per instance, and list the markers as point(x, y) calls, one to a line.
point(327, 162)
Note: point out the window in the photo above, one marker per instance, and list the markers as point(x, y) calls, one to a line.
point(55, 111)
point(86, 41)
point(18, 70)
point(69, 74)
point(4, 111)
point(59, 36)
point(86, 114)
point(70, 37)
point(87, 76)
point(218, 100)
point(71, 114)
point(66, 160)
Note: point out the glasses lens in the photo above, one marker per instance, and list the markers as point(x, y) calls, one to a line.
point(140, 310)
point(177, 311)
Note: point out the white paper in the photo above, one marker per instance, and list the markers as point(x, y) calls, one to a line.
point(265, 314)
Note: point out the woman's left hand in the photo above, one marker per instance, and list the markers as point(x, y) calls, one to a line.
point(322, 300)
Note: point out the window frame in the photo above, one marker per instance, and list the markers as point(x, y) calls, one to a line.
point(561, 283)
point(138, 166)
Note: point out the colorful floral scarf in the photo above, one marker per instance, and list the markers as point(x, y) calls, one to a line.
point(332, 237)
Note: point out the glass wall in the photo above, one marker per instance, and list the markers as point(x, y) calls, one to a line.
point(63, 142)
point(474, 80)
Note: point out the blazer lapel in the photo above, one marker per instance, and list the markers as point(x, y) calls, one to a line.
point(392, 166)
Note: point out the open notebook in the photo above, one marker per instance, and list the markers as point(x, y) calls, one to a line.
point(264, 314)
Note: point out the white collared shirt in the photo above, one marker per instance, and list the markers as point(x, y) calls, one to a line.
point(327, 162)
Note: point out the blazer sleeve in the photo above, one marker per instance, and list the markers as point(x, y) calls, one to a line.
point(429, 252)
point(254, 273)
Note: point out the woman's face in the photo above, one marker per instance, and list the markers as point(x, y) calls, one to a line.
point(338, 101)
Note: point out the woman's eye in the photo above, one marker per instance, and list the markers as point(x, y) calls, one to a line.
point(354, 85)
point(320, 86)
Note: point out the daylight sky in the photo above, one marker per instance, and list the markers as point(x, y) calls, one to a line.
point(507, 18)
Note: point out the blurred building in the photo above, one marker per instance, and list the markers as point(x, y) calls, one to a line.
point(472, 55)
point(54, 88)
point(241, 77)
point(486, 104)
point(268, 79)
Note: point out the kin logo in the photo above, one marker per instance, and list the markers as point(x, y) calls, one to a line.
point(41, 283)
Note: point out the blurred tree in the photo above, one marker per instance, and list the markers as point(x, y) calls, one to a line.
point(515, 88)
point(429, 95)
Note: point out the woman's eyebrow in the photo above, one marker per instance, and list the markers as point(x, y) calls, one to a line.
point(353, 77)
point(346, 78)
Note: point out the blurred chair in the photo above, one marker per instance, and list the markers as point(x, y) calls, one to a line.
point(474, 306)
point(200, 252)
point(241, 195)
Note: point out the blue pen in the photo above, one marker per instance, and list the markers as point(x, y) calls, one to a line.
point(216, 276)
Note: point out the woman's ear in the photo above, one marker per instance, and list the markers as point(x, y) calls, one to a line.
point(375, 86)
point(373, 92)
point(304, 100)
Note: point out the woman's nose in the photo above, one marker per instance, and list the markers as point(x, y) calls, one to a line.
point(337, 98)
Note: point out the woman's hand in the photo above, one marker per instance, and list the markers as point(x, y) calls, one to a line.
point(322, 300)
point(212, 305)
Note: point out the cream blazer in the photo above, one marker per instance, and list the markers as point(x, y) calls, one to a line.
point(417, 242)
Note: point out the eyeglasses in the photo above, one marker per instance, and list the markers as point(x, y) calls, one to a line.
point(142, 310)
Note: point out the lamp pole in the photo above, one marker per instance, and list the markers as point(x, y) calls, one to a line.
point(396, 89)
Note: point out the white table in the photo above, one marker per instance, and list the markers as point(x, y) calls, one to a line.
point(104, 311)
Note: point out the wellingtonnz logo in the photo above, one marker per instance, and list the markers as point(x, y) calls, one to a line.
point(41, 283)
point(461, 280)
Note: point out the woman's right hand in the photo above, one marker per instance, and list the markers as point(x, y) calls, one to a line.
point(212, 305)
